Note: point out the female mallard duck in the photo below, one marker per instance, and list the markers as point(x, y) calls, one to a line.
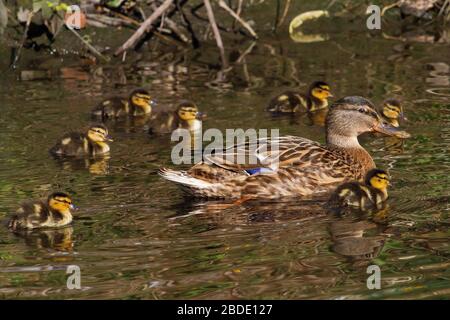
point(290, 101)
point(392, 111)
point(289, 166)
point(92, 143)
point(51, 213)
point(370, 194)
point(186, 116)
point(138, 104)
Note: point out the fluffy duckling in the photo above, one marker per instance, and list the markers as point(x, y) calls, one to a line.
point(51, 213)
point(92, 143)
point(138, 104)
point(186, 116)
point(392, 111)
point(370, 194)
point(291, 101)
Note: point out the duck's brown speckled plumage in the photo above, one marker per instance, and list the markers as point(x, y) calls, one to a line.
point(299, 167)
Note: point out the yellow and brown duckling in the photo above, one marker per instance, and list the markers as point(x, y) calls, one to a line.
point(53, 212)
point(368, 195)
point(139, 103)
point(92, 143)
point(392, 112)
point(290, 101)
point(186, 116)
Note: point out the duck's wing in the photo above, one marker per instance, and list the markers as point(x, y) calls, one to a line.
point(70, 144)
point(110, 108)
point(30, 215)
point(162, 122)
point(270, 153)
point(287, 102)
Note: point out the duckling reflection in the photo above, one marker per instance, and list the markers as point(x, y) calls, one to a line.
point(254, 211)
point(97, 166)
point(318, 117)
point(55, 239)
point(351, 239)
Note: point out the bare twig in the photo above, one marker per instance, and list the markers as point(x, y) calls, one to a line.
point(386, 8)
point(96, 19)
point(285, 11)
point(444, 5)
point(216, 32)
point(174, 27)
point(87, 44)
point(145, 26)
point(224, 6)
point(171, 24)
point(188, 26)
point(24, 38)
point(238, 12)
point(246, 52)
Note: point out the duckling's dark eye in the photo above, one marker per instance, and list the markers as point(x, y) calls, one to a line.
point(361, 111)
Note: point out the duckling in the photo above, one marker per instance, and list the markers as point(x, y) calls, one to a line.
point(51, 213)
point(138, 104)
point(291, 101)
point(392, 111)
point(92, 143)
point(370, 194)
point(186, 116)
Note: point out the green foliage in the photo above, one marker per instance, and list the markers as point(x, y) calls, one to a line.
point(114, 3)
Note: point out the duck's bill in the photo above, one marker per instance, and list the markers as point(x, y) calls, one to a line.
point(200, 116)
point(109, 138)
point(391, 131)
point(73, 207)
point(403, 117)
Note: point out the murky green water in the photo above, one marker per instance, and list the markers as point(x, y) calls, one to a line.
point(135, 236)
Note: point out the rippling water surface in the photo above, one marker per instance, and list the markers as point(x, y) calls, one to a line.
point(136, 237)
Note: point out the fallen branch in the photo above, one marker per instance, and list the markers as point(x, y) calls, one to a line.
point(173, 26)
point(90, 47)
point(99, 20)
point(215, 29)
point(145, 27)
point(224, 6)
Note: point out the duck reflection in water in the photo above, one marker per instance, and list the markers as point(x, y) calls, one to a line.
point(96, 166)
point(360, 241)
point(56, 239)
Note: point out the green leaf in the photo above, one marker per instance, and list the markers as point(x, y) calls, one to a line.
point(114, 3)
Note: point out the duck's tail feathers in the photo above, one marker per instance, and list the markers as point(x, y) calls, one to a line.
point(183, 178)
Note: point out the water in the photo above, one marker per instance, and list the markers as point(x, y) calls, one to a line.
point(136, 237)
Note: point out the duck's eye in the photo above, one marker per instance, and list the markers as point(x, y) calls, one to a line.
point(361, 111)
